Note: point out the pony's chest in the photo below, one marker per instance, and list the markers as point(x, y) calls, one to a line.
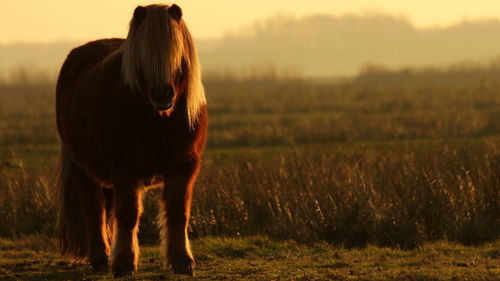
point(138, 131)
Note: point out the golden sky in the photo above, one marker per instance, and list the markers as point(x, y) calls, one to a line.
point(49, 20)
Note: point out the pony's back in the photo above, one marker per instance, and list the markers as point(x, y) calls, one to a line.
point(78, 63)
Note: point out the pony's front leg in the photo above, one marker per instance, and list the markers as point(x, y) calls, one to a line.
point(128, 207)
point(176, 207)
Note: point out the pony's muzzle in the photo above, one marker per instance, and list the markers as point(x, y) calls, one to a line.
point(162, 98)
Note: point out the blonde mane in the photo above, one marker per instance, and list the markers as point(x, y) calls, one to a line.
point(155, 50)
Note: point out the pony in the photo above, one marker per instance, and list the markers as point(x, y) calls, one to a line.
point(131, 114)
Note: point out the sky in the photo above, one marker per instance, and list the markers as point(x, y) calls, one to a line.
point(43, 21)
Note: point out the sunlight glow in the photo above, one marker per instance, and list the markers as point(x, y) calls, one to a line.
point(44, 21)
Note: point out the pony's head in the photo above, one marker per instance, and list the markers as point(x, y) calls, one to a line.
point(160, 60)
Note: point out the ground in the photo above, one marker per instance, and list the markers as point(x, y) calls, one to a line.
point(260, 258)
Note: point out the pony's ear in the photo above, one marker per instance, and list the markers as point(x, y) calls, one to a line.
point(175, 12)
point(139, 14)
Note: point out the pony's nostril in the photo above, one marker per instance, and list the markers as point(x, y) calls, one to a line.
point(170, 91)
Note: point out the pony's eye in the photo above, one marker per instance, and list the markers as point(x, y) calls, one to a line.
point(179, 75)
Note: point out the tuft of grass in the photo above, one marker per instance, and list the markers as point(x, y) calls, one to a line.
point(37, 243)
point(254, 246)
point(27, 201)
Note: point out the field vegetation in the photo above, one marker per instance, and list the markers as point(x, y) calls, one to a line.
point(390, 158)
point(259, 258)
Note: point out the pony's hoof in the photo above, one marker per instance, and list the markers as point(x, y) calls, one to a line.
point(183, 265)
point(122, 270)
point(122, 273)
point(100, 267)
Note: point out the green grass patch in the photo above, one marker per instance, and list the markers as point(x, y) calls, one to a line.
point(261, 258)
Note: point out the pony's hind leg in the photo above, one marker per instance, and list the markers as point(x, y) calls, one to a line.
point(82, 224)
point(94, 213)
point(174, 219)
point(127, 210)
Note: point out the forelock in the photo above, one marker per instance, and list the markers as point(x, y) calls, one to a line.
point(154, 46)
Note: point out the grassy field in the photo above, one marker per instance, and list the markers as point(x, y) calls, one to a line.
point(389, 159)
point(259, 258)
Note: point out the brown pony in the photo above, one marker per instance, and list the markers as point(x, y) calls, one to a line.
point(131, 114)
